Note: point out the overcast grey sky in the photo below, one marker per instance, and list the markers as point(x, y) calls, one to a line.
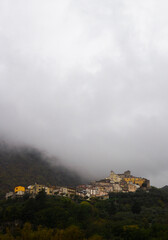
point(87, 81)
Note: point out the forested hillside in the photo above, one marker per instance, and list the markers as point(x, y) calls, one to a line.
point(25, 166)
point(125, 216)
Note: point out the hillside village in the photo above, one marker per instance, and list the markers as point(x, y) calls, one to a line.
point(124, 182)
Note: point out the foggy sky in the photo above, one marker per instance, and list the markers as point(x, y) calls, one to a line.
point(87, 81)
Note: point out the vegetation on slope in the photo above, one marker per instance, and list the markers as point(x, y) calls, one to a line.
point(125, 216)
point(25, 166)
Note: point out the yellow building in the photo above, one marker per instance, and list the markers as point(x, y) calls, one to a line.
point(19, 189)
point(135, 180)
point(35, 189)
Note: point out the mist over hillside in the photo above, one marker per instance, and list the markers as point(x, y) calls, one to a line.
point(87, 82)
point(23, 165)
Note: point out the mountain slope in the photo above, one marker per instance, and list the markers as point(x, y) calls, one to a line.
point(164, 189)
point(25, 166)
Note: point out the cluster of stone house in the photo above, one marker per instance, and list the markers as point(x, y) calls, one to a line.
point(33, 190)
point(114, 183)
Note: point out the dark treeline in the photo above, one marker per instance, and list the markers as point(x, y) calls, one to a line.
point(128, 216)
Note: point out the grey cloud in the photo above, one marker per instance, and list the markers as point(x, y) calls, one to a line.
point(87, 81)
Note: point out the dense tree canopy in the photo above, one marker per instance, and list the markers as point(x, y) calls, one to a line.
point(128, 216)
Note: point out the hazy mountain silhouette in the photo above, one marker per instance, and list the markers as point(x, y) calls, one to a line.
point(26, 165)
point(165, 188)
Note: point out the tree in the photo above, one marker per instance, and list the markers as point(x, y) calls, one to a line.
point(72, 233)
point(136, 208)
point(95, 237)
point(41, 199)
